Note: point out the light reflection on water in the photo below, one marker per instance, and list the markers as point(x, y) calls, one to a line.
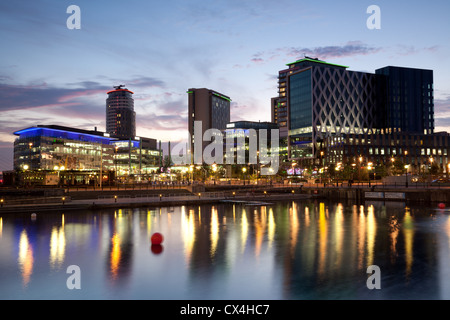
point(289, 250)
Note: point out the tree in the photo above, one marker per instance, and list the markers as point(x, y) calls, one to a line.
point(435, 169)
point(398, 167)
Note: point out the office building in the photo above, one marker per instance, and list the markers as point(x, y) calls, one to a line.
point(407, 100)
point(120, 114)
point(418, 151)
point(54, 154)
point(319, 101)
point(139, 157)
point(211, 108)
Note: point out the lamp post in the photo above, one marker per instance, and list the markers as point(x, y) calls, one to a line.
point(115, 161)
point(448, 170)
point(359, 169)
point(31, 163)
point(431, 166)
point(191, 170)
point(406, 175)
point(244, 169)
point(214, 168)
point(369, 168)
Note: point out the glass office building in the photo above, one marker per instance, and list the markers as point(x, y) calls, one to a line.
point(77, 157)
point(324, 99)
point(408, 102)
point(318, 101)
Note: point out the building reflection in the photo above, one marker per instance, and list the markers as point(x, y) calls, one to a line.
point(25, 259)
point(120, 249)
point(57, 245)
point(304, 249)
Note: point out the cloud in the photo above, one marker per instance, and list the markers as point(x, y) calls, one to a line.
point(352, 48)
point(404, 50)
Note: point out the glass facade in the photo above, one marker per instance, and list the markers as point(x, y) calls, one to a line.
point(300, 103)
point(135, 159)
point(300, 115)
point(220, 112)
point(41, 148)
point(409, 102)
point(77, 156)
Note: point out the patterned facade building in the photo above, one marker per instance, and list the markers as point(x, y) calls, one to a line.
point(323, 106)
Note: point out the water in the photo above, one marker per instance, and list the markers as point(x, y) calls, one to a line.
point(286, 250)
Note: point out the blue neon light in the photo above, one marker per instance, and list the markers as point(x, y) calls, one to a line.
point(62, 134)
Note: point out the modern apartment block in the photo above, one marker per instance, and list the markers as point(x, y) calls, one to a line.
point(120, 114)
point(320, 103)
point(211, 108)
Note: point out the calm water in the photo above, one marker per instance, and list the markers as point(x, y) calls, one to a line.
point(290, 250)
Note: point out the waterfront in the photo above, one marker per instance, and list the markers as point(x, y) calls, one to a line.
point(308, 249)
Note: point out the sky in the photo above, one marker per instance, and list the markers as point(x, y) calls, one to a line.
point(50, 74)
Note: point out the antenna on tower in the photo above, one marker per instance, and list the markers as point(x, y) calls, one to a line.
point(119, 87)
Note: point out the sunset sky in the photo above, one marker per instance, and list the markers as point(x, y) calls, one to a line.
point(50, 74)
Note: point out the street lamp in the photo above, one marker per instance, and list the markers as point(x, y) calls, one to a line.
point(115, 161)
point(406, 175)
point(338, 168)
point(31, 164)
point(448, 170)
point(214, 168)
point(359, 169)
point(244, 169)
point(369, 168)
point(191, 169)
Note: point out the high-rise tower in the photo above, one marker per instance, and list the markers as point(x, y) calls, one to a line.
point(120, 115)
point(211, 108)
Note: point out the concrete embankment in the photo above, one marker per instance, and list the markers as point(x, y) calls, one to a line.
point(163, 198)
point(99, 199)
point(360, 195)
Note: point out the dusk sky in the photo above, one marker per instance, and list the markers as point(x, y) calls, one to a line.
point(50, 74)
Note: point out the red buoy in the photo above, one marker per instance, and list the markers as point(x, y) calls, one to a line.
point(156, 248)
point(441, 206)
point(157, 238)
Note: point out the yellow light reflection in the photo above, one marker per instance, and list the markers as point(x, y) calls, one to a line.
point(294, 223)
point(338, 232)
point(188, 231)
point(322, 238)
point(115, 255)
point(260, 226)
point(393, 234)
point(244, 229)
point(361, 237)
point(371, 234)
point(271, 228)
point(408, 232)
point(57, 247)
point(25, 259)
point(307, 218)
point(214, 231)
